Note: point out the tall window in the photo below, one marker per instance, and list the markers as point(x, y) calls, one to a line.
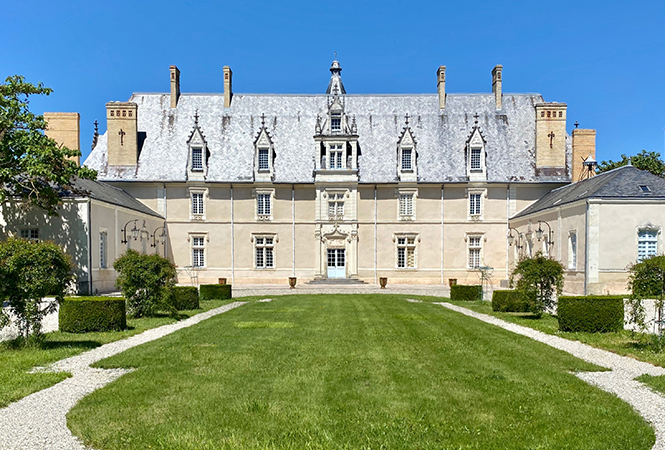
point(264, 163)
point(406, 205)
point(475, 159)
point(264, 252)
point(474, 204)
point(263, 204)
point(406, 159)
point(406, 252)
point(197, 203)
point(336, 156)
point(336, 122)
point(198, 251)
point(31, 234)
point(572, 251)
point(336, 205)
point(197, 159)
point(102, 249)
point(647, 244)
point(475, 246)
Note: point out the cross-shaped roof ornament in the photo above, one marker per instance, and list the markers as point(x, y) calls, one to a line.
point(196, 117)
point(263, 120)
point(406, 117)
point(476, 118)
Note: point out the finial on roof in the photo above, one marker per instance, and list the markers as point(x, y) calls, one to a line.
point(476, 118)
point(95, 136)
point(576, 124)
point(354, 127)
point(196, 117)
point(263, 120)
point(335, 78)
point(406, 117)
point(318, 124)
point(630, 160)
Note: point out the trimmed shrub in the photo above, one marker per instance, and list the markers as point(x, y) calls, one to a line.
point(185, 297)
point(468, 293)
point(509, 301)
point(215, 291)
point(591, 314)
point(84, 314)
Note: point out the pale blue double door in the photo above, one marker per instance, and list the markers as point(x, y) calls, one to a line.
point(336, 263)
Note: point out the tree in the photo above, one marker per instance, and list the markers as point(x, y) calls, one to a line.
point(146, 282)
point(538, 279)
point(30, 271)
point(32, 166)
point(646, 281)
point(644, 160)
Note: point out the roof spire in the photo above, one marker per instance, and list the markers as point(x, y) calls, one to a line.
point(335, 84)
point(95, 136)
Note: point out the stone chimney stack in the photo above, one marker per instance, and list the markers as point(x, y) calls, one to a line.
point(584, 146)
point(551, 137)
point(122, 133)
point(228, 92)
point(441, 86)
point(64, 128)
point(496, 85)
point(175, 86)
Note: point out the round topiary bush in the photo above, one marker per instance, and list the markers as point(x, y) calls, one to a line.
point(84, 314)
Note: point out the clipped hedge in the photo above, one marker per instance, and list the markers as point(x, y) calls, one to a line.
point(468, 293)
point(591, 314)
point(84, 314)
point(509, 301)
point(185, 297)
point(215, 291)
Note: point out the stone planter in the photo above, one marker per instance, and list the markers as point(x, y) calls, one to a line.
point(221, 280)
point(452, 282)
point(292, 282)
point(383, 281)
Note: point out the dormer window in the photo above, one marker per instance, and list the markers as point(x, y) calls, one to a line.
point(197, 159)
point(476, 168)
point(198, 153)
point(263, 161)
point(406, 159)
point(336, 156)
point(336, 122)
point(406, 154)
point(476, 159)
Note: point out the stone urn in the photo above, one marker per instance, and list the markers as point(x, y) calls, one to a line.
point(383, 281)
point(292, 282)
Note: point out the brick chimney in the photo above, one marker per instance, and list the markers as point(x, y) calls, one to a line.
point(441, 86)
point(496, 85)
point(584, 146)
point(122, 133)
point(228, 93)
point(64, 128)
point(175, 86)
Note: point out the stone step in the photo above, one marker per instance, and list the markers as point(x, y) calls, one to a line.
point(335, 281)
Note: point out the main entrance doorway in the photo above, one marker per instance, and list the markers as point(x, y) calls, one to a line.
point(336, 263)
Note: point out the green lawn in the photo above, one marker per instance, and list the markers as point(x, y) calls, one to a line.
point(352, 372)
point(623, 342)
point(655, 383)
point(15, 363)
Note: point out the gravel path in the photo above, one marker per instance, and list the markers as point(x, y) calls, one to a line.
point(619, 381)
point(38, 421)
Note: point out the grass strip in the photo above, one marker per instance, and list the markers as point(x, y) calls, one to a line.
point(655, 383)
point(17, 361)
point(352, 372)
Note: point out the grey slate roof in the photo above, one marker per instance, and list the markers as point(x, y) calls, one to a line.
point(291, 119)
point(620, 183)
point(109, 194)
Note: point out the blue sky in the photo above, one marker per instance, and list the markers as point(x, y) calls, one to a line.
point(604, 59)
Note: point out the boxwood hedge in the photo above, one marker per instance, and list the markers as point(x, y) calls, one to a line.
point(185, 297)
point(463, 292)
point(509, 301)
point(591, 314)
point(215, 291)
point(84, 314)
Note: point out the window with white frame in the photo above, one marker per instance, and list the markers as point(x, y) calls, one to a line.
point(572, 250)
point(336, 122)
point(406, 205)
point(336, 205)
point(31, 234)
point(647, 244)
point(103, 242)
point(475, 249)
point(264, 161)
point(406, 159)
point(336, 156)
point(406, 252)
point(197, 203)
point(476, 161)
point(198, 251)
point(264, 251)
point(263, 204)
point(197, 159)
point(475, 200)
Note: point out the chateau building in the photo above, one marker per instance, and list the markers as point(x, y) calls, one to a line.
point(416, 188)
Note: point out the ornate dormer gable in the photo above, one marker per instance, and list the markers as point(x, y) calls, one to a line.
point(476, 169)
point(197, 166)
point(407, 157)
point(264, 154)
